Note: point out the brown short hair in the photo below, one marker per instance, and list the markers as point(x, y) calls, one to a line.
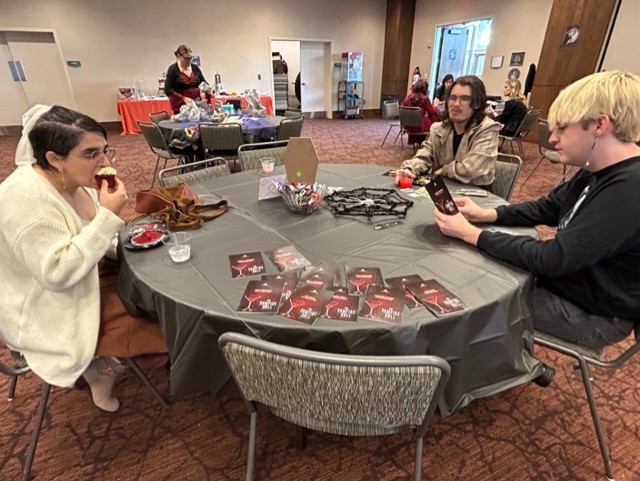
point(182, 50)
point(478, 99)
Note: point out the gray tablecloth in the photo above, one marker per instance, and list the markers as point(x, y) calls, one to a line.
point(254, 129)
point(488, 345)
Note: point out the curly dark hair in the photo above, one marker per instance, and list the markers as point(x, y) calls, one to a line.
point(478, 99)
point(59, 130)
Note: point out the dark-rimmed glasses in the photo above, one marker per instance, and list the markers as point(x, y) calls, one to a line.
point(464, 99)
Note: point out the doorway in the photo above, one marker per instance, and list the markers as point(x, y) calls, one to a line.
point(32, 71)
point(308, 65)
point(460, 49)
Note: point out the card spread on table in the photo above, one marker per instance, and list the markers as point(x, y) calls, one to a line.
point(441, 196)
point(327, 273)
point(400, 282)
point(435, 297)
point(359, 278)
point(248, 264)
point(305, 304)
point(288, 258)
point(342, 306)
point(383, 304)
point(290, 280)
point(262, 296)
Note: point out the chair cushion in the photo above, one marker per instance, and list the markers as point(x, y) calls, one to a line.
point(552, 156)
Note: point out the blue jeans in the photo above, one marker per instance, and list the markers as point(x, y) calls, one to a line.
point(561, 318)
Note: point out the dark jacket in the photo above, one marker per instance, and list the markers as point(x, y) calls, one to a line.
point(177, 88)
point(511, 117)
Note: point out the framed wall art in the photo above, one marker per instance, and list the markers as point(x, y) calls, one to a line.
point(571, 34)
point(496, 61)
point(517, 59)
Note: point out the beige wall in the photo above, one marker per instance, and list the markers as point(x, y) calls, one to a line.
point(517, 26)
point(620, 54)
point(118, 40)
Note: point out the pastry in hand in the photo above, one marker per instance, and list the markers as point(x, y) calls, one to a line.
point(108, 174)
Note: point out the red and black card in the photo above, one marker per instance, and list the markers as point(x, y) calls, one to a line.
point(441, 196)
point(383, 304)
point(288, 258)
point(359, 278)
point(305, 304)
point(262, 296)
point(323, 275)
point(248, 264)
point(400, 282)
point(435, 297)
point(290, 279)
point(342, 306)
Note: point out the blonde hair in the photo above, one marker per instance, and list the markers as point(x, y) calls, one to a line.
point(614, 93)
point(516, 89)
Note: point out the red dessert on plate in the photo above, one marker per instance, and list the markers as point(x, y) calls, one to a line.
point(147, 238)
point(108, 174)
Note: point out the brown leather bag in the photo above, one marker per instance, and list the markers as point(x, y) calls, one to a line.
point(178, 206)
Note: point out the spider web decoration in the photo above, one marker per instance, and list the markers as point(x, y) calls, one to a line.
point(368, 201)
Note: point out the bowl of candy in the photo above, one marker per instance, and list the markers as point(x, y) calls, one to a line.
point(125, 92)
point(302, 198)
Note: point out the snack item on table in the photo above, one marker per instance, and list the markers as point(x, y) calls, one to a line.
point(108, 174)
point(147, 238)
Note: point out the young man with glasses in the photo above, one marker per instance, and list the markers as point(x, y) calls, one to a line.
point(464, 146)
point(183, 80)
point(587, 290)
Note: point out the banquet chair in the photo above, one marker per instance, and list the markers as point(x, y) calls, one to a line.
point(292, 112)
point(390, 112)
point(549, 152)
point(507, 169)
point(349, 395)
point(250, 154)
point(194, 172)
point(222, 140)
point(158, 145)
point(17, 367)
point(529, 120)
point(289, 127)
point(599, 358)
point(411, 117)
point(157, 117)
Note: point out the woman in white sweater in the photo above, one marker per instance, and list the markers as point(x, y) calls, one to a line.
point(55, 229)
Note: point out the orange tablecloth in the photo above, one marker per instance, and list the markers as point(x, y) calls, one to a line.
point(131, 111)
point(265, 100)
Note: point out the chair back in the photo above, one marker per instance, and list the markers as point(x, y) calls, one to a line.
point(153, 135)
point(17, 366)
point(292, 112)
point(411, 117)
point(193, 172)
point(156, 117)
point(390, 109)
point(341, 394)
point(507, 169)
point(221, 137)
point(529, 120)
point(250, 154)
point(544, 132)
point(289, 127)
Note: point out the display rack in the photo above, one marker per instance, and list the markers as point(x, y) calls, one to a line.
point(351, 86)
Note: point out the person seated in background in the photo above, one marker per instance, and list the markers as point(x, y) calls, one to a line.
point(443, 90)
point(514, 108)
point(183, 80)
point(464, 146)
point(586, 290)
point(419, 97)
point(57, 308)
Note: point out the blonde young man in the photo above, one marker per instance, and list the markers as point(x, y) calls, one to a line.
point(587, 290)
point(464, 146)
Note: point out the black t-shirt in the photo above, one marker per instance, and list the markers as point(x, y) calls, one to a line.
point(456, 142)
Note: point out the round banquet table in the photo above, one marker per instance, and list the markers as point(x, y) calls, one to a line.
point(488, 344)
point(254, 129)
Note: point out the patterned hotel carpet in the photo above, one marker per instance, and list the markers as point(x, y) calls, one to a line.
point(524, 433)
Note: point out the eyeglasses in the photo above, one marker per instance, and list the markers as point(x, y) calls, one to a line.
point(94, 155)
point(464, 99)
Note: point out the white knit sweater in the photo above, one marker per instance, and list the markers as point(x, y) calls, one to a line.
point(50, 301)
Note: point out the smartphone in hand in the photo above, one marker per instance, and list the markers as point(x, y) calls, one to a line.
point(441, 196)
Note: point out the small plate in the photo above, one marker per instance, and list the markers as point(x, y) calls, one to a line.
point(146, 239)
